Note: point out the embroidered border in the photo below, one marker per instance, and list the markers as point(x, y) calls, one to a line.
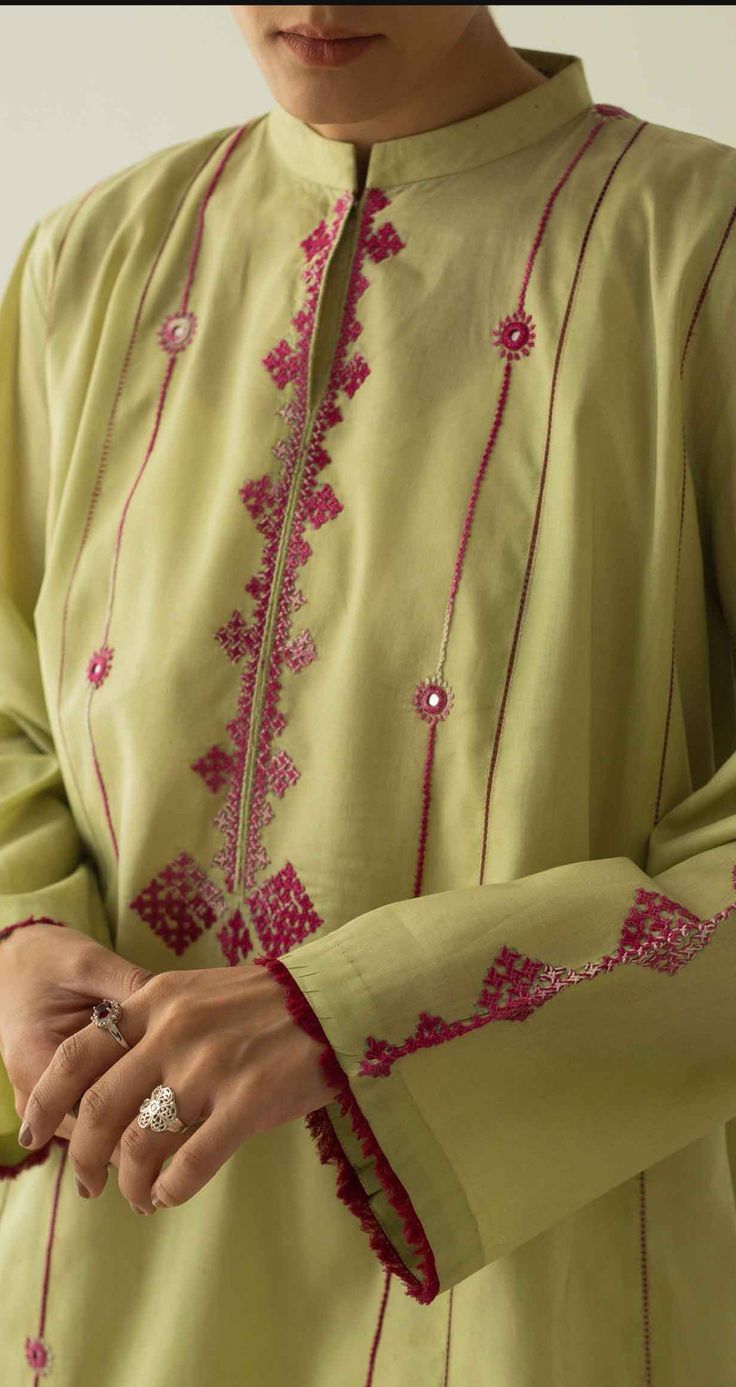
point(657, 933)
point(272, 505)
point(425, 1287)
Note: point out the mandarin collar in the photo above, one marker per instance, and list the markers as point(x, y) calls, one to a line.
point(454, 148)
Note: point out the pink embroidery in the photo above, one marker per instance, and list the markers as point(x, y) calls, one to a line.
point(9, 1172)
point(177, 331)
point(214, 767)
point(604, 110)
point(173, 342)
point(433, 700)
point(234, 637)
point(32, 920)
point(300, 652)
point(234, 939)
point(294, 499)
point(37, 1351)
point(281, 911)
point(179, 903)
point(322, 505)
point(281, 773)
point(494, 754)
point(99, 665)
point(38, 1356)
point(515, 335)
point(424, 1287)
point(657, 933)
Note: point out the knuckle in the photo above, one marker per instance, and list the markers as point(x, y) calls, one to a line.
point(36, 1110)
point(135, 977)
point(93, 1107)
point(133, 1142)
point(194, 1164)
point(67, 1054)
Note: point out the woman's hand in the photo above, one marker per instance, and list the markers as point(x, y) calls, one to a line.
point(222, 1039)
point(50, 978)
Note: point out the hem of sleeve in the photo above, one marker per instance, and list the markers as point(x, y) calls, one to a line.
point(425, 1286)
point(31, 920)
point(9, 1170)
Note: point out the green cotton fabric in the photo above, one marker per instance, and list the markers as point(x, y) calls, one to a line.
point(369, 602)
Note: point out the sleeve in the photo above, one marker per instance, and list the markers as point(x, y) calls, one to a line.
point(43, 868)
point(460, 1135)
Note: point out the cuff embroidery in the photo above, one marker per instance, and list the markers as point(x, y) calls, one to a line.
point(422, 1288)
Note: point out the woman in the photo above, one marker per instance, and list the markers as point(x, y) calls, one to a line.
point(368, 622)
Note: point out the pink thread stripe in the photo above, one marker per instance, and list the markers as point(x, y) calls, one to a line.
point(163, 395)
point(426, 801)
point(543, 476)
point(644, 1265)
point(475, 491)
point(683, 491)
point(378, 1330)
point(49, 1252)
point(446, 1377)
point(643, 1236)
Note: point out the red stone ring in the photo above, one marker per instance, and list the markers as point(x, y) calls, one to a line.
point(106, 1015)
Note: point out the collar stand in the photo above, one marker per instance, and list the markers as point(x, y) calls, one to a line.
point(454, 148)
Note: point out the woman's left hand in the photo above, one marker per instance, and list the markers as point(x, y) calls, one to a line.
point(222, 1039)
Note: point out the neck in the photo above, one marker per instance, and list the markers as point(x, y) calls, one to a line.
point(480, 72)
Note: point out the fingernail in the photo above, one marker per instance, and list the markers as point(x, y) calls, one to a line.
point(80, 1188)
point(157, 1203)
point(136, 1210)
point(25, 1135)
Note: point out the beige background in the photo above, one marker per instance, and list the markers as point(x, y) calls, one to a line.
point(86, 90)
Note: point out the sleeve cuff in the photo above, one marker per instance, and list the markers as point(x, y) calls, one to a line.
point(344, 1137)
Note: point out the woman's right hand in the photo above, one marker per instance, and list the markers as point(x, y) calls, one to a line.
point(50, 978)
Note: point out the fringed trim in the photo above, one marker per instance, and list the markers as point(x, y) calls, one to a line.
point(349, 1188)
point(9, 1172)
point(32, 920)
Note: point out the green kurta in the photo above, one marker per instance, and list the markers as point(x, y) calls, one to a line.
point(369, 601)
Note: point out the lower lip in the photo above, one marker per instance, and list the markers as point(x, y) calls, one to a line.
point(325, 52)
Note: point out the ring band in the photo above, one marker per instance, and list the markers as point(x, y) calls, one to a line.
point(159, 1112)
point(106, 1015)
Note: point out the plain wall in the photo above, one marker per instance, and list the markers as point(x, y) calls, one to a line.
point(87, 90)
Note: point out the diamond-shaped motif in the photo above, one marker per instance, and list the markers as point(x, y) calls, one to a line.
point(234, 939)
point(179, 903)
point(234, 637)
point(300, 652)
point(282, 912)
point(322, 505)
point(214, 767)
point(281, 773)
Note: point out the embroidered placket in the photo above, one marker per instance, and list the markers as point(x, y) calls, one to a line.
point(351, 225)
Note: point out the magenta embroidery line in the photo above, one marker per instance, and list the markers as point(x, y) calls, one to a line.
point(446, 1377)
point(686, 346)
point(266, 642)
point(657, 933)
point(378, 1330)
point(173, 355)
point(643, 1241)
point(514, 337)
point(105, 451)
point(38, 1354)
point(542, 481)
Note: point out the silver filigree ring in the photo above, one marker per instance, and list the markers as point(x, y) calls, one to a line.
point(106, 1015)
point(159, 1111)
